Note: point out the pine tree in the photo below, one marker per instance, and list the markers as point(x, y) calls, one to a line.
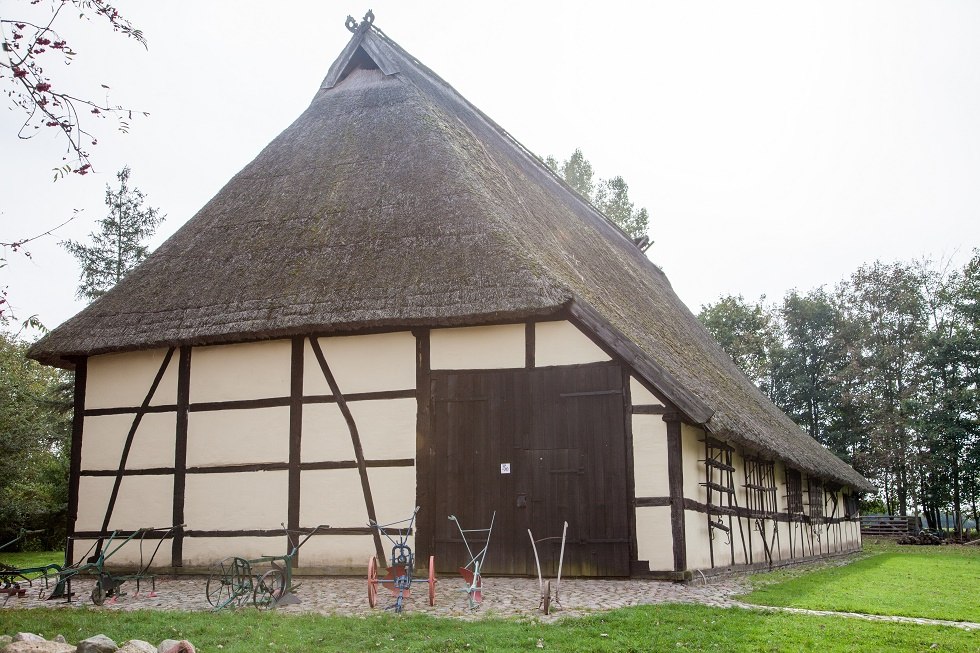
point(119, 245)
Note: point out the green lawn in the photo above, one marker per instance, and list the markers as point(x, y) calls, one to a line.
point(648, 628)
point(936, 582)
point(32, 558)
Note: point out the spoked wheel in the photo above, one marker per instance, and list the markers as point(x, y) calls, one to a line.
point(373, 581)
point(218, 591)
point(269, 589)
point(432, 580)
point(98, 593)
point(546, 598)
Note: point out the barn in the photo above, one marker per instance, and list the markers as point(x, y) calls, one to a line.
point(395, 304)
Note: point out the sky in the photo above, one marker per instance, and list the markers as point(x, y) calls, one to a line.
point(776, 145)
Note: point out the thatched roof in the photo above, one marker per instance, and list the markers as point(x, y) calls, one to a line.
point(392, 202)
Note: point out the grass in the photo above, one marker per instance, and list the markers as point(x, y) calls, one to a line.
point(934, 582)
point(29, 559)
point(647, 628)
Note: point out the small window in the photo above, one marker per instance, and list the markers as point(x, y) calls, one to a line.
point(760, 485)
point(815, 496)
point(850, 505)
point(794, 491)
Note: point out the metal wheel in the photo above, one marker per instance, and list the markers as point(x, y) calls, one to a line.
point(432, 580)
point(98, 593)
point(373, 581)
point(217, 591)
point(269, 589)
point(546, 598)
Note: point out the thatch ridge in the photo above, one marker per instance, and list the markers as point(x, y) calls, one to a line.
point(393, 202)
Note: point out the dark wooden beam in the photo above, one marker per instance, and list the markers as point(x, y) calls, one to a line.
point(652, 410)
point(675, 484)
point(180, 453)
point(529, 344)
point(423, 445)
point(295, 437)
point(630, 469)
point(355, 441)
point(592, 320)
point(254, 467)
point(75, 459)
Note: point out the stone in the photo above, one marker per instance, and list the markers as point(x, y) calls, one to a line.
point(4, 640)
point(28, 637)
point(60, 639)
point(183, 646)
point(36, 646)
point(97, 644)
point(137, 646)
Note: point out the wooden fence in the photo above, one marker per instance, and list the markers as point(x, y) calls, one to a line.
point(887, 526)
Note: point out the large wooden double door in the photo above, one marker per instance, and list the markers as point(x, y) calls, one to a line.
point(539, 447)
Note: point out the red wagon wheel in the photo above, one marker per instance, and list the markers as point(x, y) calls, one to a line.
point(432, 580)
point(373, 581)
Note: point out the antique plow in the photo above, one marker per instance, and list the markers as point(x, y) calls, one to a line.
point(544, 586)
point(472, 570)
point(233, 582)
point(401, 570)
point(13, 579)
point(107, 583)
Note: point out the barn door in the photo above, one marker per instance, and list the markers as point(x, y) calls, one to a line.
point(541, 447)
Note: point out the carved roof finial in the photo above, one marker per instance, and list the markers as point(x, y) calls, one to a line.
point(352, 25)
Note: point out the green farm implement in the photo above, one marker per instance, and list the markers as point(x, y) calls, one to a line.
point(233, 581)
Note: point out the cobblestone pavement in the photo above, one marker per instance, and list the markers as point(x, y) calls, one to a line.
point(503, 597)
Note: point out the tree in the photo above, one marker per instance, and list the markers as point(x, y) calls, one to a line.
point(119, 246)
point(750, 334)
point(32, 46)
point(35, 403)
point(610, 196)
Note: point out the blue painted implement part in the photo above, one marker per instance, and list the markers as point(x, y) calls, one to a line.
point(401, 570)
point(472, 572)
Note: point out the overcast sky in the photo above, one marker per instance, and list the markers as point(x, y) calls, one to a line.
point(776, 145)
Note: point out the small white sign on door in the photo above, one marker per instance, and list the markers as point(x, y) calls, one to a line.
point(505, 468)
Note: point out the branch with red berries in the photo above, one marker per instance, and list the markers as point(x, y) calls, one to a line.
point(26, 46)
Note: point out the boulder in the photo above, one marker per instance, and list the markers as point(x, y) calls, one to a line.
point(137, 646)
point(183, 646)
point(166, 645)
point(35, 646)
point(28, 637)
point(97, 644)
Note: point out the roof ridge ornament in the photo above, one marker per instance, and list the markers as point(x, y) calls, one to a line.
point(353, 26)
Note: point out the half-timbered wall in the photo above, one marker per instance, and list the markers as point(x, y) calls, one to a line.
point(237, 440)
point(744, 535)
point(260, 438)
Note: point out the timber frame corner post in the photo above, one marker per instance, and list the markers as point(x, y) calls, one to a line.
point(675, 482)
point(75, 455)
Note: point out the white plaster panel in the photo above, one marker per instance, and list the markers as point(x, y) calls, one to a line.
point(784, 541)
point(471, 348)
point(393, 490)
point(236, 501)
point(654, 539)
point(698, 543)
point(640, 396)
point(561, 343)
point(386, 427)
point(143, 501)
point(738, 476)
point(650, 456)
point(347, 552)
point(332, 497)
point(251, 370)
point(230, 437)
point(119, 380)
point(371, 363)
point(692, 452)
point(104, 436)
point(325, 434)
point(207, 551)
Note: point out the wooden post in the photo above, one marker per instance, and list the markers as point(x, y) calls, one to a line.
point(180, 453)
point(295, 438)
point(425, 523)
point(75, 460)
point(675, 483)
